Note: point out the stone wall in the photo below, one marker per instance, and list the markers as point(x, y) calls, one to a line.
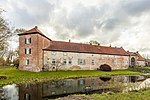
point(90, 61)
point(141, 63)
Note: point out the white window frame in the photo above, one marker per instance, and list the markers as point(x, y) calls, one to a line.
point(27, 50)
point(27, 62)
point(27, 40)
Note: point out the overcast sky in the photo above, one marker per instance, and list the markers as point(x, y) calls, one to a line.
point(123, 23)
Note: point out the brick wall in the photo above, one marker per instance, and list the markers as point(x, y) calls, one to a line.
point(35, 58)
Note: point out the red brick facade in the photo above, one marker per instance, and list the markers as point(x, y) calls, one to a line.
point(38, 41)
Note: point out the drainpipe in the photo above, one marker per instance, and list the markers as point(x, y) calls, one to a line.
point(129, 61)
point(42, 60)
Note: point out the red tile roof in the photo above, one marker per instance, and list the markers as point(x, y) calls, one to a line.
point(34, 30)
point(84, 48)
point(140, 57)
point(132, 53)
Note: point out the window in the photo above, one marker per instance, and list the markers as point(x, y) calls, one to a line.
point(81, 61)
point(67, 83)
point(28, 51)
point(27, 96)
point(53, 61)
point(27, 62)
point(115, 61)
point(92, 62)
point(70, 62)
point(64, 61)
point(27, 40)
point(81, 82)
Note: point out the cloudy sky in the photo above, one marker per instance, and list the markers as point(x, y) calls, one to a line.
point(123, 23)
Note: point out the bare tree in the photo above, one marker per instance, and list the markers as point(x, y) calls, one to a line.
point(5, 33)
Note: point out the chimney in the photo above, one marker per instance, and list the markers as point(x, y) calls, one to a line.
point(36, 27)
point(127, 50)
point(110, 45)
point(137, 52)
point(69, 40)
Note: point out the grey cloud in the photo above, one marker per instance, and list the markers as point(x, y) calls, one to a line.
point(104, 22)
point(136, 7)
point(32, 12)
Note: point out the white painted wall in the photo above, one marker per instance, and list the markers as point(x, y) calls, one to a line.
point(92, 61)
point(141, 63)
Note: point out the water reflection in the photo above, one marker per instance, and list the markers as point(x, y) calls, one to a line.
point(55, 88)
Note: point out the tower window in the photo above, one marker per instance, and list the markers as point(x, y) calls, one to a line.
point(27, 62)
point(27, 96)
point(27, 40)
point(28, 51)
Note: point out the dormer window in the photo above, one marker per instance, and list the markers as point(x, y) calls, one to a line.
point(27, 40)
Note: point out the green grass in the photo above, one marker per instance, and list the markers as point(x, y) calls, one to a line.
point(140, 95)
point(141, 69)
point(18, 76)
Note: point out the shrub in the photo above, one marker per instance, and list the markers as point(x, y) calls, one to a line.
point(3, 77)
point(105, 67)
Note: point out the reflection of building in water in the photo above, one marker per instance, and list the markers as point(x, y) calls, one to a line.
point(1, 93)
point(30, 92)
point(59, 87)
point(67, 86)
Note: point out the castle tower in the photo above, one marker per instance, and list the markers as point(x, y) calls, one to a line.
point(31, 44)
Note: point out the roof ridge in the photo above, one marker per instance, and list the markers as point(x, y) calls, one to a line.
point(84, 48)
point(35, 29)
point(88, 44)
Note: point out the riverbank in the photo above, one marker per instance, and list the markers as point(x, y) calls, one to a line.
point(19, 77)
point(140, 95)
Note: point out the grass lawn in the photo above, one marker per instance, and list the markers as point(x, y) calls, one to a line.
point(140, 95)
point(17, 76)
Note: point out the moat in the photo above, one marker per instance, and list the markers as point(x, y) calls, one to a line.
point(59, 88)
